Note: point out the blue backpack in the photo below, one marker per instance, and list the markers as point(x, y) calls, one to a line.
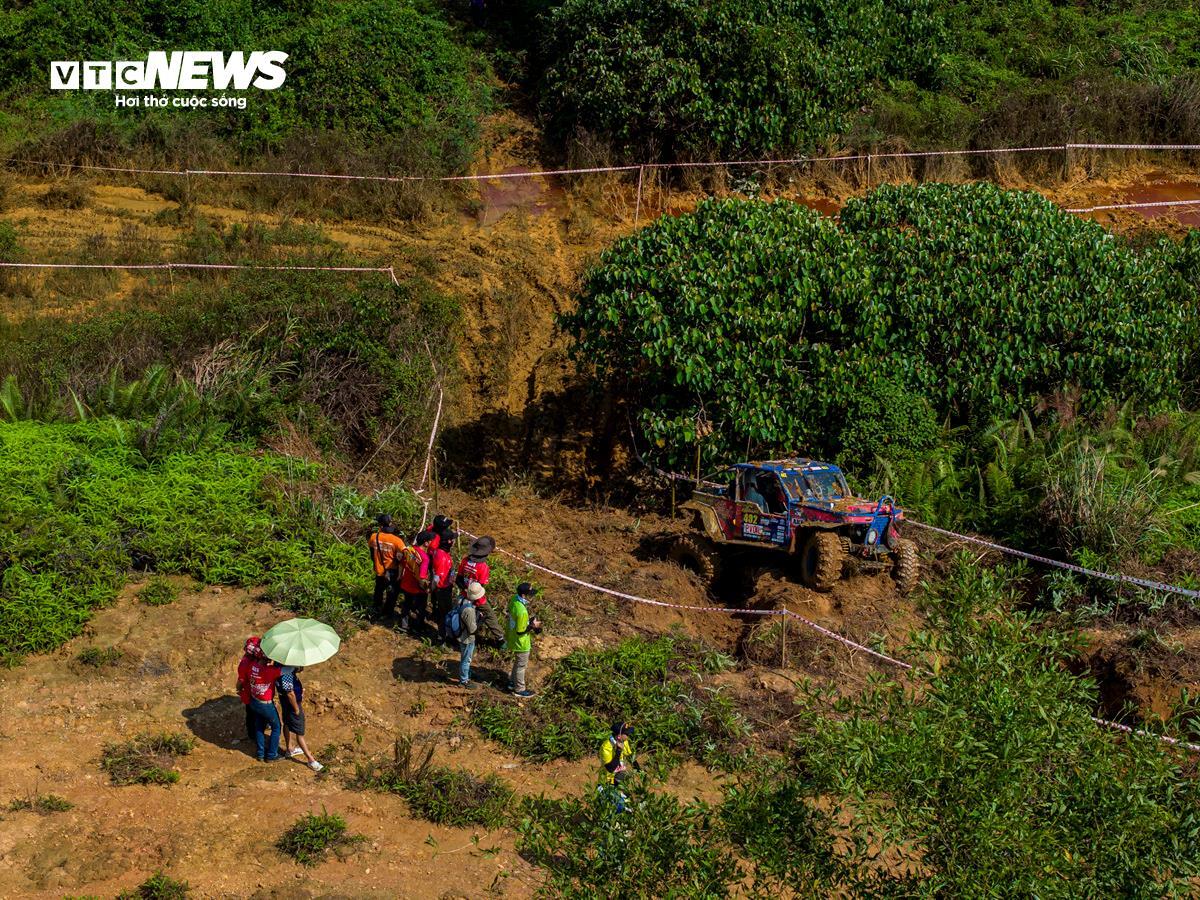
point(454, 619)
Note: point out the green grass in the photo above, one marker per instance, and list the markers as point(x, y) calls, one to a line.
point(655, 684)
point(42, 803)
point(158, 592)
point(313, 837)
point(157, 887)
point(438, 794)
point(146, 759)
point(82, 506)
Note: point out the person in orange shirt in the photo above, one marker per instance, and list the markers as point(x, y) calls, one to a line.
point(386, 550)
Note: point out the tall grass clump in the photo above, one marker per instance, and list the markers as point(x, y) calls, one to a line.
point(146, 759)
point(158, 887)
point(313, 836)
point(656, 684)
point(438, 794)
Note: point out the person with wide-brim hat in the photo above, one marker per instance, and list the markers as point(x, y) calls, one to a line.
point(474, 569)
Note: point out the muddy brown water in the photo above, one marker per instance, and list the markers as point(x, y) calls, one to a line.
point(501, 196)
point(1162, 187)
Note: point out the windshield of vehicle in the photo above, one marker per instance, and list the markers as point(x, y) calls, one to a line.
point(826, 484)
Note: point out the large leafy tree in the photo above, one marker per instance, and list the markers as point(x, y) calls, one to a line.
point(682, 78)
point(780, 328)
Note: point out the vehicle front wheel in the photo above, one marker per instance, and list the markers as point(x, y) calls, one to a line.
point(821, 561)
point(906, 567)
point(698, 554)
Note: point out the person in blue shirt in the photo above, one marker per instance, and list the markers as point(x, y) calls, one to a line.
point(291, 694)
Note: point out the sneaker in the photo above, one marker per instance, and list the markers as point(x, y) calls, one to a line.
point(403, 626)
point(315, 766)
point(295, 751)
point(469, 685)
point(273, 759)
point(524, 693)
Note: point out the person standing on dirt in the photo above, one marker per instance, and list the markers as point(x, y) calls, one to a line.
point(474, 568)
point(441, 579)
point(291, 692)
point(256, 687)
point(518, 638)
point(415, 583)
point(469, 625)
point(386, 549)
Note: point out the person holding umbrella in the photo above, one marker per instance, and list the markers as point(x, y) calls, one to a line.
point(294, 644)
point(291, 692)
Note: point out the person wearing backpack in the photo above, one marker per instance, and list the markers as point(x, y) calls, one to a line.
point(462, 623)
point(474, 568)
point(415, 582)
point(441, 574)
point(517, 638)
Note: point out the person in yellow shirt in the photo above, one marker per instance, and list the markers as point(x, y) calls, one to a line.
point(616, 756)
point(386, 550)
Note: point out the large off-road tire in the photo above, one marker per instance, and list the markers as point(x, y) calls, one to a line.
point(821, 560)
point(698, 554)
point(906, 567)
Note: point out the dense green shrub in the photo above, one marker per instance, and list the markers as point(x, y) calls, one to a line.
point(389, 77)
point(660, 847)
point(1038, 71)
point(681, 78)
point(375, 68)
point(82, 507)
point(770, 322)
point(994, 772)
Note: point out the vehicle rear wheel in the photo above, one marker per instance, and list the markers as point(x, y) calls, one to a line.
point(906, 567)
point(698, 554)
point(821, 560)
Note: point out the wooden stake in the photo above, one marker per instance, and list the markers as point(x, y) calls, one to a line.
point(637, 210)
point(783, 645)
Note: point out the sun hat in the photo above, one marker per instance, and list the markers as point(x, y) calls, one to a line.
point(483, 546)
point(475, 591)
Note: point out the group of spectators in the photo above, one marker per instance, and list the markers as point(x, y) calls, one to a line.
point(425, 573)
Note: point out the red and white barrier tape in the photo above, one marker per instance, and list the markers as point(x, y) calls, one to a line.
point(541, 173)
point(707, 609)
point(1117, 726)
point(1071, 567)
point(388, 270)
point(1152, 205)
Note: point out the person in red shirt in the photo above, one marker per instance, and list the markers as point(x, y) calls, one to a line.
point(256, 687)
point(441, 578)
point(474, 569)
point(416, 581)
